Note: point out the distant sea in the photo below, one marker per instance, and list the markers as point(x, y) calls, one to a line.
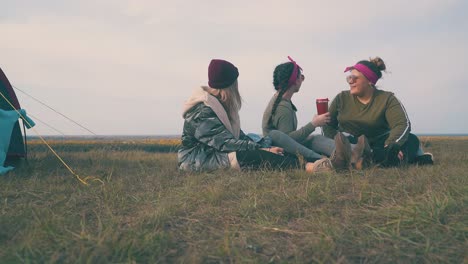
point(143, 137)
point(441, 135)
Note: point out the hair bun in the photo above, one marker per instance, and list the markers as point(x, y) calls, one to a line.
point(377, 61)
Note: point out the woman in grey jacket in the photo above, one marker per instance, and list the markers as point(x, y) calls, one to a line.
point(212, 138)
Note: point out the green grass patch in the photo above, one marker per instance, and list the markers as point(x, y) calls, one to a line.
point(146, 211)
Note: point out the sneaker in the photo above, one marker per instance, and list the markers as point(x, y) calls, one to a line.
point(361, 154)
point(321, 165)
point(341, 157)
point(425, 159)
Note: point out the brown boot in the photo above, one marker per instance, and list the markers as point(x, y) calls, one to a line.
point(341, 157)
point(361, 154)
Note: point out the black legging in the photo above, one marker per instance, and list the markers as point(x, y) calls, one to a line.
point(258, 159)
point(389, 156)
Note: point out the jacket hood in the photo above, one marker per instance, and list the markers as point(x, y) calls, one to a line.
point(199, 95)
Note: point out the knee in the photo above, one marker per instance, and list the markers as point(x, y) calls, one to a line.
point(411, 147)
point(413, 139)
point(276, 135)
point(412, 144)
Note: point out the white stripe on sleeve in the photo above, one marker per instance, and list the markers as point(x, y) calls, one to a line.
point(407, 121)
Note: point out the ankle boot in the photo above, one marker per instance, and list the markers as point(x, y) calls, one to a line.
point(341, 157)
point(362, 154)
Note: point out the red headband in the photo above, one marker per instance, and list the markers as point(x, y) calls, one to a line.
point(293, 77)
point(370, 75)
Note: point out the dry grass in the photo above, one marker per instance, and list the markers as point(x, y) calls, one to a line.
point(146, 211)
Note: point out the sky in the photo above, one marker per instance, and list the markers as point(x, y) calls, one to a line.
point(123, 67)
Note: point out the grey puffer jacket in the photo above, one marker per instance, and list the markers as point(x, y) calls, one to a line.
point(207, 143)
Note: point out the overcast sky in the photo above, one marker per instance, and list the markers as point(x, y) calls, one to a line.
point(125, 67)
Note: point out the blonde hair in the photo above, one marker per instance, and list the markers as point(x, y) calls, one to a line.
point(230, 98)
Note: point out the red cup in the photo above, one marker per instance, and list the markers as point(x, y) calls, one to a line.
point(322, 106)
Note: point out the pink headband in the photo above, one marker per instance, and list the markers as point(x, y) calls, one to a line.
point(370, 75)
point(293, 77)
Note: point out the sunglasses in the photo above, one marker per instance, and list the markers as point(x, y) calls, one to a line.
point(351, 78)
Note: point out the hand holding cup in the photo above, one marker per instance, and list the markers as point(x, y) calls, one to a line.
point(321, 120)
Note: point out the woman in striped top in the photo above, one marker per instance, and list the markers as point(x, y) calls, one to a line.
point(378, 115)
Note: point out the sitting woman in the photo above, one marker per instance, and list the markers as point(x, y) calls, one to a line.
point(212, 138)
point(280, 122)
point(375, 116)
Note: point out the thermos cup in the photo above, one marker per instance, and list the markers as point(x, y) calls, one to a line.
point(322, 105)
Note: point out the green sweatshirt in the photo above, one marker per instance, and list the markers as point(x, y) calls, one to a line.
point(383, 115)
point(285, 120)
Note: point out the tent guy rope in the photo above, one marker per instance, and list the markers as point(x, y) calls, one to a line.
point(84, 181)
point(44, 104)
point(49, 126)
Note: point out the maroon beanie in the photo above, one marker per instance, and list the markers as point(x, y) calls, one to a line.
point(221, 74)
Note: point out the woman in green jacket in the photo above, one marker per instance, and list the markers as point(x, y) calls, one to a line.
point(365, 110)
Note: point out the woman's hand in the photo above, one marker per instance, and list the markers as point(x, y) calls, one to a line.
point(275, 150)
point(401, 156)
point(321, 120)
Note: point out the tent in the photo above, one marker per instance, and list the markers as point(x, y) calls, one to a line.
point(16, 148)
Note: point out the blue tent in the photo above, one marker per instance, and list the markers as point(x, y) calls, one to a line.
point(8, 119)
point(12, 144)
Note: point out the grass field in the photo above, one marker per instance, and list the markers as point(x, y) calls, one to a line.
point(145, 211)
